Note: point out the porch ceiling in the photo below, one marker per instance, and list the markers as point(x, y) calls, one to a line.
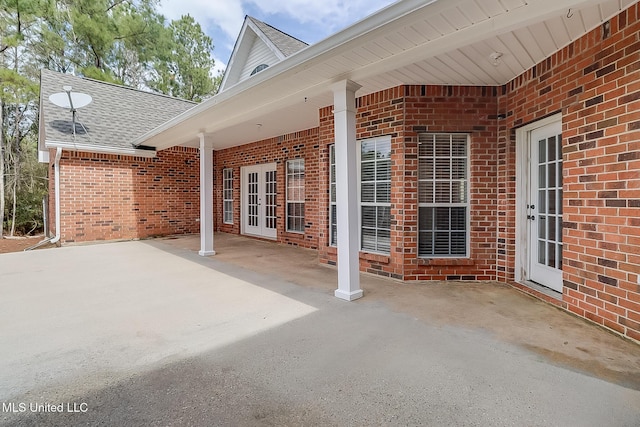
point(443, 42)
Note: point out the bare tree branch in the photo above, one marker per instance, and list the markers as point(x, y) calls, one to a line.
point(116, 3)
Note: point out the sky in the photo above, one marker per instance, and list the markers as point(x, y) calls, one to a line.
point(307, 20)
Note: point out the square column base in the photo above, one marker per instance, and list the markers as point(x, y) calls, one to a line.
point(348, 296)
point(206, 253)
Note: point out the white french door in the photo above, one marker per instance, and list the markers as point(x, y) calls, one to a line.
point(259, 200)
point(544, 206)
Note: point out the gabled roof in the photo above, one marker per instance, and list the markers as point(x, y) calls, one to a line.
point(258, 44)
point(285, 43)
point(116, 116)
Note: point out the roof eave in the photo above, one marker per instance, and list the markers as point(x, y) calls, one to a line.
point(97, 149)
point(335, 44)
point(293, 62)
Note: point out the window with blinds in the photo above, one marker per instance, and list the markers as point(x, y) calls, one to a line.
point(374, 194)
point(333, 233)
point(295, 195)
point(443, 195)
point(227, 195)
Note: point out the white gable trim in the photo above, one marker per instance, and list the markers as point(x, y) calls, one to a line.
point(242, 50)
point(265, 39)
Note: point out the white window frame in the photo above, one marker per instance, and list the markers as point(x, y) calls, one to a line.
point(434, 204)
point(227, 190)
point(333, 235)
point(361, 204)
point(333, 204)
point(289, 197)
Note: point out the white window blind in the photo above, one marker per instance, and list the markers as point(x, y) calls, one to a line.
point(375, 194)
point(443, 195)
point(295, 195)
point(227, 195)
point(333, 234)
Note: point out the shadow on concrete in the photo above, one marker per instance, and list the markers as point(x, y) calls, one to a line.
point(359, 364)
point(406, 354)
point(501, 310)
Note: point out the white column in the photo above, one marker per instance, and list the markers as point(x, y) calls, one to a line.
point(344, 108)
point(206, 197)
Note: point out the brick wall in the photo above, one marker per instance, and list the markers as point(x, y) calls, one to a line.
point(108, 197)
point(298, 145)
point(595, 84)
point(470, 110)
point(402, 113)
point(377, 114)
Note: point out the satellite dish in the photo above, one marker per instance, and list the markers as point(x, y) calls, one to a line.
point(72, 101)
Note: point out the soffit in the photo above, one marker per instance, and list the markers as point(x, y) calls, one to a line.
point(443, 42)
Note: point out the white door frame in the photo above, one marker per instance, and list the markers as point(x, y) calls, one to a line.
point(522, 194)
point(244, 171)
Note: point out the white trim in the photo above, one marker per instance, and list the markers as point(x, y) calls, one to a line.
point(43, 156)
point(521, 273)
point(262, 36)
point(240, 41)
point(88, 148)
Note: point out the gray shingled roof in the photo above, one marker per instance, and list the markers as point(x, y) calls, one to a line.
point(287, 44)
point(116, 116)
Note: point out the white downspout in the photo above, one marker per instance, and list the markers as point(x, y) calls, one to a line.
point(56, 195)
point(56, 238)
point(56, 167)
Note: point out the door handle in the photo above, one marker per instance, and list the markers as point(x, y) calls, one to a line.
point(531, 217)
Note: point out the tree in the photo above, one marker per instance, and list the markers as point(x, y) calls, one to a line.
point(185, 69)
point(18, 94)
point(142, 36)
point(120, 41)
point(92, 37)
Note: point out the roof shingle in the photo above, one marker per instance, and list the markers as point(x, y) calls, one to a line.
point(287, 44)
point(115, 117)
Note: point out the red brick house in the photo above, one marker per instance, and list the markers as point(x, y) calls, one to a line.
point(452, 140)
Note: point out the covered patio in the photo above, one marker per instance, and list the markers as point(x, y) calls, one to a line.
point(149, 332)
point(465, 43)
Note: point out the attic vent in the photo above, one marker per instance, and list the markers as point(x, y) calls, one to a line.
point(259, 68)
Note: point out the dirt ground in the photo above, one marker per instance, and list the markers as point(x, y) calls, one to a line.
point(17, 244)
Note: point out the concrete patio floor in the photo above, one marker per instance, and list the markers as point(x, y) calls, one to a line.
point(150, 333)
